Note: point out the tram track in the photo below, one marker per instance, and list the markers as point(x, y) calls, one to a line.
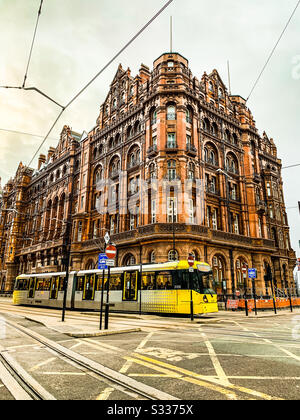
point(36, 392)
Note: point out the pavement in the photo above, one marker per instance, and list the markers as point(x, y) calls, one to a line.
point(83, 328)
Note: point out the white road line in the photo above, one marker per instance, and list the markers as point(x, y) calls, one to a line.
point(215, 361)
point(129, 363)
point(46, 362)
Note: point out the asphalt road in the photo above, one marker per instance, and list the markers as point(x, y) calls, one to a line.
point(231, 358)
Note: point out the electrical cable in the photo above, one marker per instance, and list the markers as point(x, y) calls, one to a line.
point(32, 43)
point(101, 71)
point(25, 134)
point(273, 50)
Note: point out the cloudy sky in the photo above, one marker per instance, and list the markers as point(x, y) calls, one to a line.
point(76, 38)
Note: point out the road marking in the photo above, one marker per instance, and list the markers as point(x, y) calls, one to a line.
point(151, 366)
point(64, 373)
point(42, 364)
point(195, 375)
point(101, 344)
point(168, 372)
point(128, 364)
point(215, 361)
point(105, 394)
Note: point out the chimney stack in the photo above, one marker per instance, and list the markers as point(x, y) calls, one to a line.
point(50, 153)
point(42, 160)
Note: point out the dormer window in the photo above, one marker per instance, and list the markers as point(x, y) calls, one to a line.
point(170, 63)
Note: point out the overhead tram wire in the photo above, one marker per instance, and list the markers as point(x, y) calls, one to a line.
point(273, 50)
point(100, 72)
point(24, 133)
point(32, 43)
point(28, 63)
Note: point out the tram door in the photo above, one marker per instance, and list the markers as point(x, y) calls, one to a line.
point(54, 288)
point(130, 286)
point(31, 289)
point(89, 287)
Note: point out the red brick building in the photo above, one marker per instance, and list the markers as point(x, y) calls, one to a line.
point(174, 165)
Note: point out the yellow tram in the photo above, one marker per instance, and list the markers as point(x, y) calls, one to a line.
point(166, 288)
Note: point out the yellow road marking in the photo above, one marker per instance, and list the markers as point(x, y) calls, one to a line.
point(105, 394)
point(128, 364)
point(210, 386)
point(196, 376)
point(151, 366)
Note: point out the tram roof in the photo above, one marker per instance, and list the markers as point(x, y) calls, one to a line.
point(172, 265)
point(43, 275)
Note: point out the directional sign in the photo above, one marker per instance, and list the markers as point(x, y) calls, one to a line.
point(111, 252)
point(102, 262)
point(107, 238)
point(252, 273)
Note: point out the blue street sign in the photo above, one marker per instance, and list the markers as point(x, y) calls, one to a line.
point(102, 262)
point(252, 273)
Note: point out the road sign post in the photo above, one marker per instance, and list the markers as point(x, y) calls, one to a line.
point(110, 252)
point(252, 274)
point(191, 262)
point(102, 259)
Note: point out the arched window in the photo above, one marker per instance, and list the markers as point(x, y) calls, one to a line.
point(210, 154)
point(152, 171)
point(129, 260)
point(152, 257)
point(211, 87)
point(227, 136)
point(171, 113)
point(232, 164)
point(214, 130)
point(153, 116)
point(241, 269)
point(221, 93)
point(98, 175)
point(173, 255)
point(218, 267)
point(206, 125)
point(189, 116)
point(129, 132)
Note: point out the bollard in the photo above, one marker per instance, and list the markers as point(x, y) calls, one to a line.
point(246, 307)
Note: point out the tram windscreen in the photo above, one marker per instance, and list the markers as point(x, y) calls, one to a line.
point(207, 283)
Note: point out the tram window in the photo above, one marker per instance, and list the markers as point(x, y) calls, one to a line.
point(80, 284)
point(164, 280)
point(207, 281)
point(61, 284)
point(99, 282)
point(181, 279)
point(43, 285)
point(130, 285)
point(115, 282)
point(148, 281)
point(39, 285)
